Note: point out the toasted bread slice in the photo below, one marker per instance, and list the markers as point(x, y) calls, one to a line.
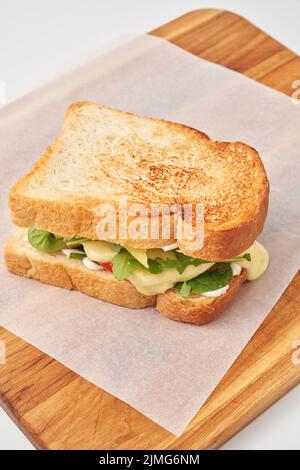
point(103, 155)
point(199, 310)
point(58, 270)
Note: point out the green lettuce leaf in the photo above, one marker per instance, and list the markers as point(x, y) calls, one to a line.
point(45, 241)
point(211, 280)
point(247, 257)
point(181, 262)
point(77, 255)
point(185, 289)
point(76, 241)
point(124, 264)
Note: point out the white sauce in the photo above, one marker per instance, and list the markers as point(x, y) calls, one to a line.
point(236, 269)
point(91, 265)
point(217, 292)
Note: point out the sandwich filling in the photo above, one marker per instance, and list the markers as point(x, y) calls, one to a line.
point(154, 271)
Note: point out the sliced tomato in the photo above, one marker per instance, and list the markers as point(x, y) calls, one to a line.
point(107, 266)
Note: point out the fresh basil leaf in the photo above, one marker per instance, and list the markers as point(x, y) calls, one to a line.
point(247, 257)
point(135, 263)
point(115, 246)
point(195, 261)
point(77, 255)
point(155, 266)
point(183, 261)
point(44, 241)
point(211, 280)
point(185, 290)
point(167, 263)
point(180, 263)
point(124, 264)
point(121, 265)
point(76, 241)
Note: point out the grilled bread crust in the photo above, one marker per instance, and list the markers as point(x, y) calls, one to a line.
point(58, 270)
point(104, 155)
point(201, 310)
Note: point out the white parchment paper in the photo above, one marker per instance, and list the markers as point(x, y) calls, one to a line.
point(164, 369)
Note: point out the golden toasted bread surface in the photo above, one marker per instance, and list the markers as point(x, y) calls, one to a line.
point(201, 310)
point(58, 270)
point(103, 155)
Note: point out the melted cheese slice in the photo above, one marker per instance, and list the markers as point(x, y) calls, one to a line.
point(98, 250)
point(140, 255)
point(143, 255)
point(152, 284)
point(154, 253)
point(259, 261)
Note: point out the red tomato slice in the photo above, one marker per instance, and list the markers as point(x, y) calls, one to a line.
point(107, 266)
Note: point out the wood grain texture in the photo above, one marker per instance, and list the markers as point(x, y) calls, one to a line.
point(57, 409)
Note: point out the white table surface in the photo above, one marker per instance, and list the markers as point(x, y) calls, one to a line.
point(40, 40)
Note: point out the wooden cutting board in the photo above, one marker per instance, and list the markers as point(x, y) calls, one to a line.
point(57, 409)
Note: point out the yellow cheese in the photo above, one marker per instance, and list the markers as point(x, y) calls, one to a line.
point(99, 250)
point(259, 261)
point(139, 254)
point(154, 253)
point(152, 284)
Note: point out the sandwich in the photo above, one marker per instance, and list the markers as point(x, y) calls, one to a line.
point(69, 210)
